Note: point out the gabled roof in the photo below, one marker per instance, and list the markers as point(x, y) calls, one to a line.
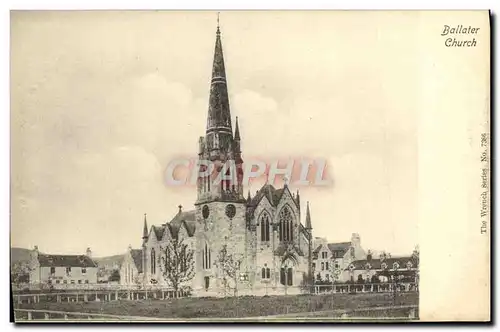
point(376, 264)
point(344, 246)
point(137, 258)
point(283, 249)
point(339, 246)
point(272, 194)
point(66, 260)
point(158, 231)
point(187, 218)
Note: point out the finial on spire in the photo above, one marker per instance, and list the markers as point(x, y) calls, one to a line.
point(218, 27)
point(145, 230)
point(237, 131)
point(180, 208)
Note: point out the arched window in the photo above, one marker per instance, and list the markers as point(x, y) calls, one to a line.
point(153, 261)
point(266, 272)
point(286, 225)
point(264, 228)
point(206, 258)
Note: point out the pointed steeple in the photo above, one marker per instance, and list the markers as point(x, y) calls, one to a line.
point(297, 198)
point(237, 131)
point(249, 198)
point(219, 115)
point(308, 218)
point(145, 230)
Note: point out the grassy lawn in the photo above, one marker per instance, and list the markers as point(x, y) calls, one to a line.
point(246, 306)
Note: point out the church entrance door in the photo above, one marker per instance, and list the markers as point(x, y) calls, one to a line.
point(286, 273)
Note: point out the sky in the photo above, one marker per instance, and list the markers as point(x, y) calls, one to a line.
point(101, 102)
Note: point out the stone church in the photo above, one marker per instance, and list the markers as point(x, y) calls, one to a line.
point(264, 232)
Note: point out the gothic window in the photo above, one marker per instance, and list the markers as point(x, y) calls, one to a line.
point(286, 225)
point(153, 261)
point(266, 272)
point(206, 257)
point(183, 260)
point(167, 256)
point(264, 228)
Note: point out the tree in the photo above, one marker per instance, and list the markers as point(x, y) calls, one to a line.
point(115, 276)
point(384, 255)
point(229, 268)
point(307, 283)
point(177, 263)
point(19, 272)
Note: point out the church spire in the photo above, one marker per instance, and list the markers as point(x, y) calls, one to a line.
point(237, 131)
point(219, 115)
point(145, 230)
point(308, 218)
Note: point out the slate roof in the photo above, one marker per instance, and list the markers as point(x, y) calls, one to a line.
point(158, 231)
point(137, 258)
point(188, 218)
point(66, 260)
point(376, 264)
point(344, 246)
point(272, 194)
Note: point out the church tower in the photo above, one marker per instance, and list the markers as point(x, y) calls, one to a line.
point(220, 205)
point(220, 151)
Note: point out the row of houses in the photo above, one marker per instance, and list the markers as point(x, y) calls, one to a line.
point(331, 262)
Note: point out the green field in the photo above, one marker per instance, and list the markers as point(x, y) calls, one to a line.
point(245, 306)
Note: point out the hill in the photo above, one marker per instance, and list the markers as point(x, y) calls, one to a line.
point(109, 262)
point(18, 255)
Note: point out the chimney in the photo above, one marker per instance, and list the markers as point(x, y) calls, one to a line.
point(129, 247)
point(369, 256)
point(89, 252)
point(355, 240)
point(35, 252)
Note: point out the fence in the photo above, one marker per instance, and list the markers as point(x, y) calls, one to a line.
point(85, 295)
point(384, 313)
point(98, 296)
point(50, 315)
point(44, 287)
point(367, 288)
